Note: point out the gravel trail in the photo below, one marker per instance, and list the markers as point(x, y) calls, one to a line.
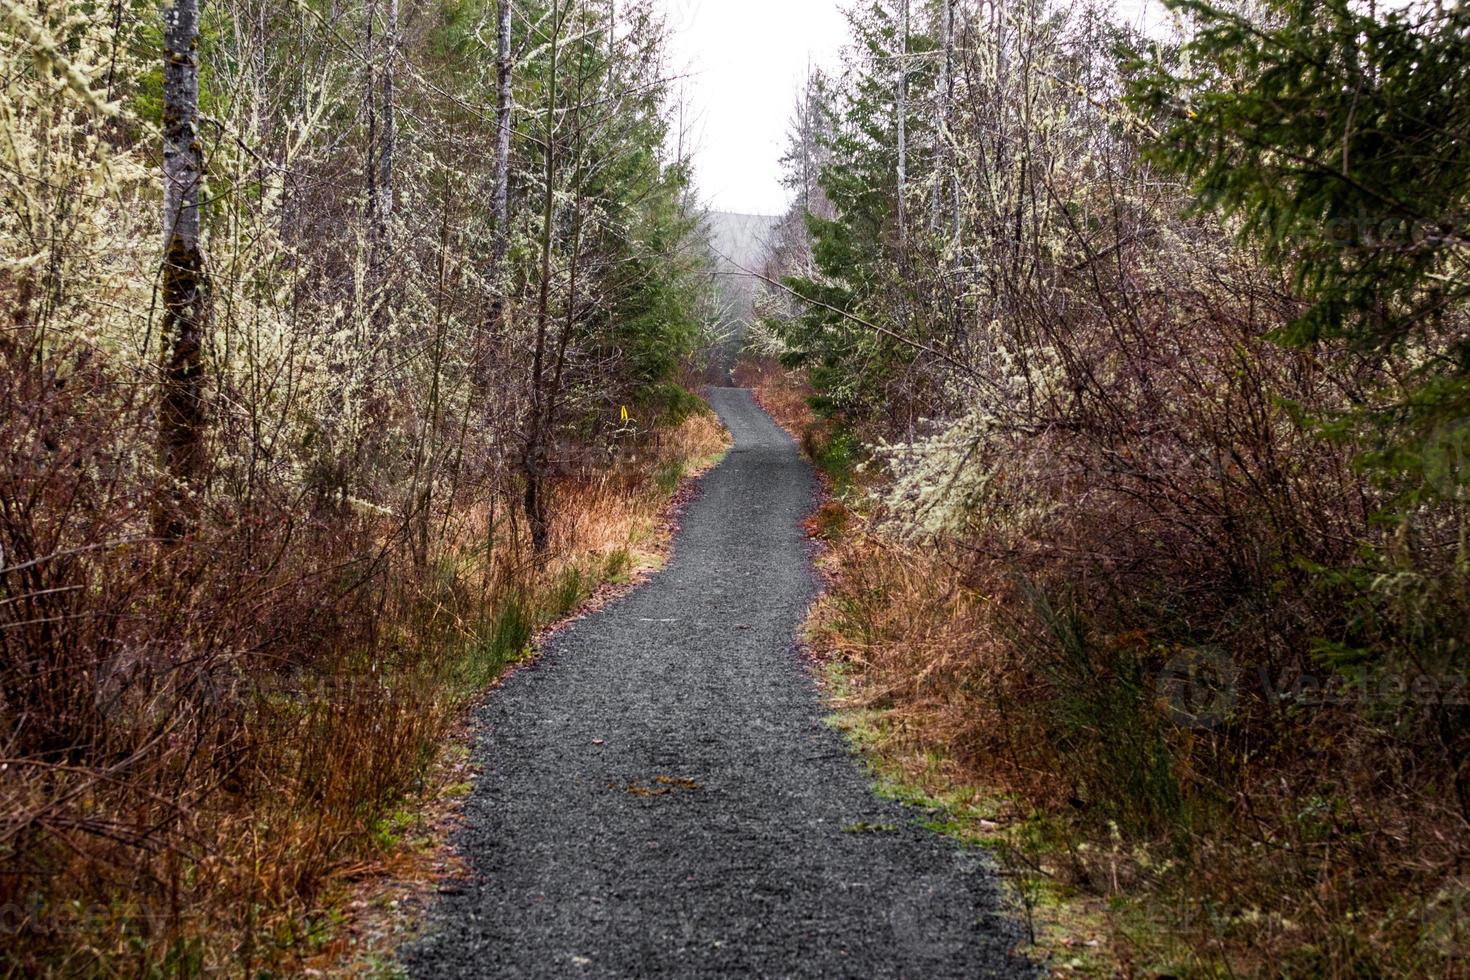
point(660, 796)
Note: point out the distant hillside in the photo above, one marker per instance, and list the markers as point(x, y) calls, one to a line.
point(743, 238)
point(740, 242)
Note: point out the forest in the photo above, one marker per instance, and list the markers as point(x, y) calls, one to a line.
point(288, 482)
point(1138, 361)
point(347, 347)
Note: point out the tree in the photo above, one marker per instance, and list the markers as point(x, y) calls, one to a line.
point(901, 61)
point(943, 138)
point(381, 135)
point(534, 463)
point(1340, 137)
point(504, 104)
point(499, 190)
point(185, 277)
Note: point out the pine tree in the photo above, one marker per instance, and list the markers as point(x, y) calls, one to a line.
point(1339, 137)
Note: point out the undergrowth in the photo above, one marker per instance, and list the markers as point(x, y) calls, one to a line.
point(225, 833)
point(1157, 813)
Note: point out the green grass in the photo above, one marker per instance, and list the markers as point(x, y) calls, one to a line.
point(499, 640)
point(669, 476)
point(619, 567)
point(837, 454)
point(572, 586)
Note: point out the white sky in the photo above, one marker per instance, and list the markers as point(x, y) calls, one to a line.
point(744, 62)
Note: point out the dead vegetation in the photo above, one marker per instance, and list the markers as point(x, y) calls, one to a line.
point(220, 737)
point(1187, 812)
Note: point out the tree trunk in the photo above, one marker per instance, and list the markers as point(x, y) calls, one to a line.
point(534, 460)
point(944, 178)
point(386, 144)
point(903, 113)
point(185, 283)
point(502, 133)
point(380, 169)
point(370, 97)
point(579, 181)
point(949, 100)
point(499, 197)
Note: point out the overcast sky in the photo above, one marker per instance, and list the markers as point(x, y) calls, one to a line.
point(744, 61)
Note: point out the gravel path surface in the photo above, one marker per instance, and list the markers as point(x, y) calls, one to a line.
point(660, 796)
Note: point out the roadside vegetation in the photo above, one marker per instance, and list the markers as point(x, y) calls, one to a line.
point(344, 345)
point(290, 476)
point(1137, 362)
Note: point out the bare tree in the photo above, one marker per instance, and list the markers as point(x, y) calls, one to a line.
point(943, 137)
point(380, 162)
point(385, 142)
point(499, 193)
point(534, 459)
point(185, 278)
point(503, 106)
point(903, 112)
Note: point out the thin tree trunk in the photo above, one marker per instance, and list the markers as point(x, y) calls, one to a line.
point(949, 101)
point(579, 181)
point(185, 282)
point(499, 195)
point(535, 453)
point(380, 178)
point(389, 131)
point(903, 112)
point(421, 495)
point(503, 96)
point(943, 154)
point(370, 95)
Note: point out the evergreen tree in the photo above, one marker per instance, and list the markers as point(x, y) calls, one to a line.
point(1339, 137)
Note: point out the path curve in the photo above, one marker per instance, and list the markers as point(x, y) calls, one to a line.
point(660, 796)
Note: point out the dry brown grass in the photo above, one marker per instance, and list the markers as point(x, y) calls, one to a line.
point(1312, 865)
point(271, 739)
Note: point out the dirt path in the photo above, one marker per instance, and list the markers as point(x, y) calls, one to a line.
point(661, 798)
